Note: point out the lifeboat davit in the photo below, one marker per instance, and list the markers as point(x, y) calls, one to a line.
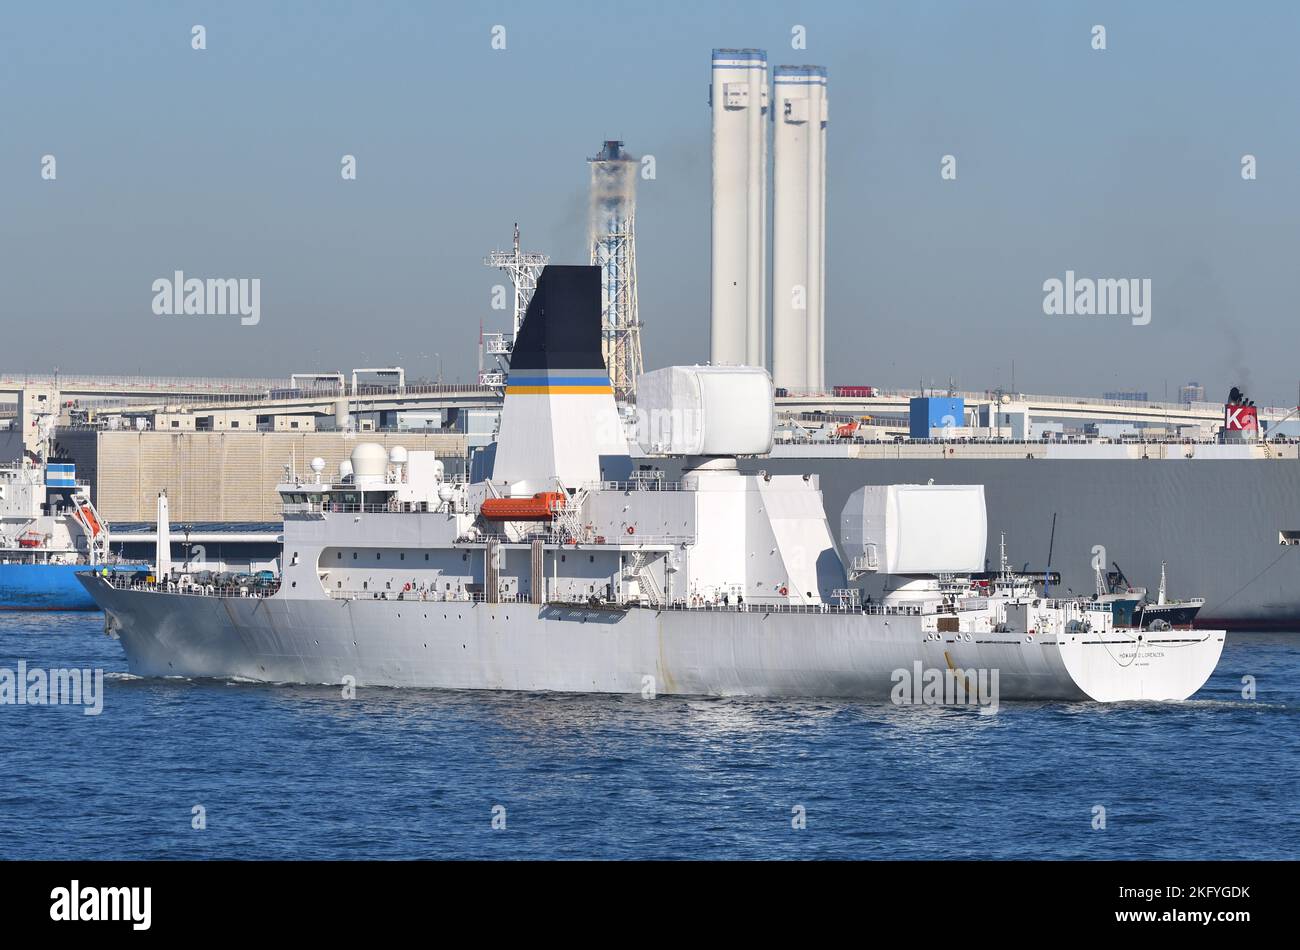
point(541, 507)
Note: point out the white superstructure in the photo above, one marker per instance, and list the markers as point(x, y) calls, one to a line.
point(799, 115)
point(738, 97)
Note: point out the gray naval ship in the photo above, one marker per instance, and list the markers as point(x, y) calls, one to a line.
point(546, 577)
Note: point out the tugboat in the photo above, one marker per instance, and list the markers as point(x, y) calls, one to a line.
point(1166, 614)
point(1124, 600)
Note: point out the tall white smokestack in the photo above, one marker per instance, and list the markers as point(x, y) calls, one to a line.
point(799, 228)
point(739, 99)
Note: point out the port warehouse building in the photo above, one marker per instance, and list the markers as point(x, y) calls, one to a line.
point(209, 476)
point(232, 475)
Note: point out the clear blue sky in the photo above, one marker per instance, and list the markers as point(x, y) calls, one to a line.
point(225, 163)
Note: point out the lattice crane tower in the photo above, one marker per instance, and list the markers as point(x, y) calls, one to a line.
point(613, 250)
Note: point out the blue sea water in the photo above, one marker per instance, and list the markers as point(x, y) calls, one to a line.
point(294, 772)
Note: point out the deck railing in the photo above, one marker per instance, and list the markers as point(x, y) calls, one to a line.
point(126, 581)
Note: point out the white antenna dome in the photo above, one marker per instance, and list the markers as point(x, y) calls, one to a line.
point(369, 460)
point(397, 455)
point(318, 465)
point(345, 469)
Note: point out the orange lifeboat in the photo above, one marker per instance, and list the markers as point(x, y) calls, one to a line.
point(91, 521)
point(541, 507)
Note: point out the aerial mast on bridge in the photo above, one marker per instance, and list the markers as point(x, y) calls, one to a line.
point(524, 269)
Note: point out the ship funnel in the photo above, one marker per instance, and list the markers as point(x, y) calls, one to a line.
point(559, 416)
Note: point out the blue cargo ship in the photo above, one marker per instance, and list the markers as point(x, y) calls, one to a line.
point(46, 586)
point(49, 530)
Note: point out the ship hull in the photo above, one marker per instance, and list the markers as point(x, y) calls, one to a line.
point(43, 587)
point(1215, 522)
point(464, 645)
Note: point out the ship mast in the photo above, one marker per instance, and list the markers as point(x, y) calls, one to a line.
point(523, 269)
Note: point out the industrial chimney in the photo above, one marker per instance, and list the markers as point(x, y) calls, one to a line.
point(799, 228)
point(739, 99)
